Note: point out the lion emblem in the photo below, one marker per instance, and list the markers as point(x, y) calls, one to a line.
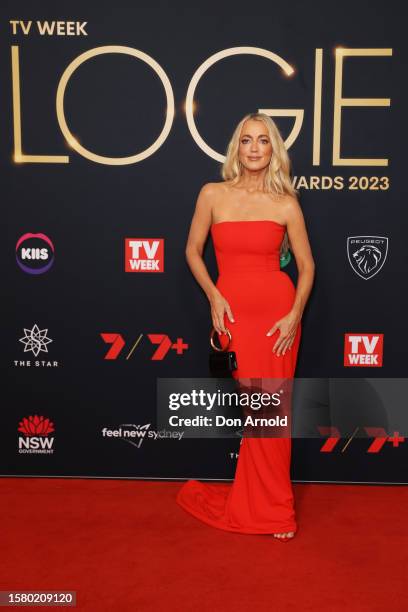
point(367, 258)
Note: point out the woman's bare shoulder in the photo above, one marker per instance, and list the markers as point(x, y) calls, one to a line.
point(290, 202)
point(214, 189)
point(292, 208)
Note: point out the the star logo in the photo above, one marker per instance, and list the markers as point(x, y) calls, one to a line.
point(35, 340)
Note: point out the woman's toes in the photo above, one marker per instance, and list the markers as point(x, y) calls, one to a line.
point(289, 534)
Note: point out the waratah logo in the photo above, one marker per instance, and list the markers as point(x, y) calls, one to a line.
point(36, 439)
point(36, 426)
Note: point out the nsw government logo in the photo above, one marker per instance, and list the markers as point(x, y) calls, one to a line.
point(34, 253)
point(367, 254)
point(36, 437)
point(144, 255)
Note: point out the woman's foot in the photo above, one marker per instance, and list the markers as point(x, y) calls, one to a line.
point(284, 537)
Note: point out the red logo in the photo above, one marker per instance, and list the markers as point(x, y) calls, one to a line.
point(363, 350)
point(162, 340)
point(117, 343)
point(378, 433)
point(165, 344)
point(144, 255)
point(36, 426)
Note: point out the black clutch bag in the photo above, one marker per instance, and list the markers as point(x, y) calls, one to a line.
point(222, 362)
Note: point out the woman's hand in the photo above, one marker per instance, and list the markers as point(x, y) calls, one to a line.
point(288, 327)
point(219, 306)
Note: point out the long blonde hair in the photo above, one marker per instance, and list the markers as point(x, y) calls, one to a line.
point(278, 175)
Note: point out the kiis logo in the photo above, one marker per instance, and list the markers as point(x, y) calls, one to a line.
point(135, 434)
point(363, 350)
point(144, 254)
point(162, 340)
point(34, 253)
point(367, 254)
point(36, 430)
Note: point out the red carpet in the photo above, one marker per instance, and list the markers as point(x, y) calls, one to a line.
point(126, 545)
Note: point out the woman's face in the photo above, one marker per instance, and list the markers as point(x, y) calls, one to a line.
point(255, 147)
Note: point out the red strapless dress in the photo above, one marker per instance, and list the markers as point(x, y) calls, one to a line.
point(260, 500)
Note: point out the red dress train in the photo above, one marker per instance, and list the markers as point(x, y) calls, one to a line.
point(260, 499)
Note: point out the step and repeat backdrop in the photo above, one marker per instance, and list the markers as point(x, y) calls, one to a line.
point(113, 116)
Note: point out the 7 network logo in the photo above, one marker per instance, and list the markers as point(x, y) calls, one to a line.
point(162, 341)
point(379, 435)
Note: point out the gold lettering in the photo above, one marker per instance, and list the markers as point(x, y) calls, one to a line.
point(213, 59)
point(73, 142)
point(339, 102)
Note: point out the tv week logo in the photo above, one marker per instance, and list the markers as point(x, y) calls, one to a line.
point(363, 350)
point(144, 255)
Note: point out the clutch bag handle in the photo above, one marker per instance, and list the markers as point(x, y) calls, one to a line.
point(214, 346)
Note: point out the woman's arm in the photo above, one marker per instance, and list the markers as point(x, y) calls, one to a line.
point(300, 246)
point(200, 226)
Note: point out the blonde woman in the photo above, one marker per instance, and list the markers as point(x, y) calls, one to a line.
point(253, 216)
